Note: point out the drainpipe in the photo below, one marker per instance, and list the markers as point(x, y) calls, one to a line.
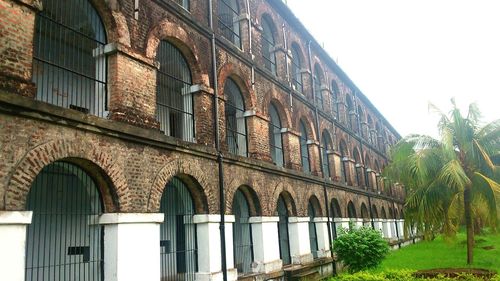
point(287, 69)
point(250, 50)
point(222, 204)
point(371, 211)
point(316, 115)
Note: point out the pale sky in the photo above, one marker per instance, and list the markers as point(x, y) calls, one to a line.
point(403, 54)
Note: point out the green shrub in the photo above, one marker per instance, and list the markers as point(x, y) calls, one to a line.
point(401, 275)
point(360, 248)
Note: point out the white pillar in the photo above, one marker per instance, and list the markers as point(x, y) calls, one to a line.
point(401, 230)
point(209, 247)
point(393, 228)
point(341, 223)
point(132, 246)
point(387, 228)
point(266, 249)
point(322, 236)
point(378, 224)
point(13, 226)
point(358, 222)
point(300, 248)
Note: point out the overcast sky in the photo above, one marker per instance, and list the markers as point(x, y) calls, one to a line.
point(404, 54)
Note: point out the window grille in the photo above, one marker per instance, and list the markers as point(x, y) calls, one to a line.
point(69, 64)
point(178, 248)
point(64, 240)
point(324, 150)
point(229, 23)
point(313, 239)
point(268, 43)
point(183, 3)
point(304, 150)
point(236, 132)
point(243, 253)
point(296, 70)
point(318, 77)
point(275, 138)
point(174, 100)
point(283, 232)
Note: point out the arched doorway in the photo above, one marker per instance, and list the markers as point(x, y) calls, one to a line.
point(178, 248)
point(64, 240)
point(284, 243)
point(336, 213)
point(312, 211)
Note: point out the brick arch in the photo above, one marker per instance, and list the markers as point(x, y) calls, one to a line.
point(335, 203)
point(116, 194)
point(291, 198)
point(311, 133)
point(261, 14)
point(298, 47)
point(234, 72)
point(330, 139)
point(197, 180)
point(114, 21)
point(367, 160)
point(349, 204)
point(343, 146)
point(364, 212)
point(251, 196)
point(284, 114)
point(179, 37)
point(316, 200)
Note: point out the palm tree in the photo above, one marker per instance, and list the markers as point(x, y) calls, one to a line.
point(447, 178)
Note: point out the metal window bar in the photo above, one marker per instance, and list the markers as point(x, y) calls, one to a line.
point(268, 47)
point(229, 24)
point(69, 64)
point(326, 163)
point(275, 137)
point(296, 71)
point(313, 239)
point(304, 151)
point(64, 240)
point(174, 100)
point(178, 245)
point(317, 89)
point(284, 243)
point(236, 133)
point(243, 247)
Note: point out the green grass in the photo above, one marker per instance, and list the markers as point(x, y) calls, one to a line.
point(440, 253)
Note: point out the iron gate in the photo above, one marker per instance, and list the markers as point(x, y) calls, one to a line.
point(178, 249)
point(64, 240)
point(243, 253)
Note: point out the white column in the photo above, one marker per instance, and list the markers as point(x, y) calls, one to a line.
point(266, 250)
point(378, 224)
point(401, 230)
point(13, 226)
point(209, 247)
point(322, 236)
point(341, 223)
point(132, 246)
point(358, 222)
point(387, 228)
point(393, 228)
point(300, 248)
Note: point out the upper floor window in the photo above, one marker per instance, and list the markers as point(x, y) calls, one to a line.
point(335, 98)
point(236, 131)
point(183, 3)
point(229, 23)
point(296, 70)
point(174, 101)
point(318, 77)
point(275, 140)
point(325, 147)
point(304, 150)
point(69, 64)
point(268, 44)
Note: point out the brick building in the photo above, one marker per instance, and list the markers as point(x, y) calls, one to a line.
point(113, 167)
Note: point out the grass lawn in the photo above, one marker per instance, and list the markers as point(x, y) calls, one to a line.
point(440, 253)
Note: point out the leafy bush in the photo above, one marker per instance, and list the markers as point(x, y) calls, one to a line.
point(360, 248)
point(401, 275)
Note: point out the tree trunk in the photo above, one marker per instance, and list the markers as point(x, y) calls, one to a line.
point(468, 223)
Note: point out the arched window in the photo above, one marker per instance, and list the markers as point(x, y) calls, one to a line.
point(236, 132)
point(268, 42)
point(178, 252)
point(351, 114)
point(335, 213)
point(243, 255)
point(283, 231)
point(358, 166)
point(335, 99)
point(229, 24)
point(183, 3)
point(361, 121)
point(370, 129)
point(365, 215)
point(326, 145)
point(344, 153)
point(69, 64)
point(351, 210)
point(304, 150)
point(313, 239)
point(275, 139)
point(174, 101)
point(64, 238)
point(318, 78)
point(296, 69)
